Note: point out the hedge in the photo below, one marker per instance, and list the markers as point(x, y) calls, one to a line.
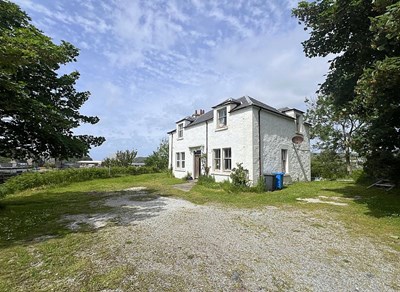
point(31, 180)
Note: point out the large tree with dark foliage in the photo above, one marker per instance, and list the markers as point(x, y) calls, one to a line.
point(38, 108)
point(364, 75)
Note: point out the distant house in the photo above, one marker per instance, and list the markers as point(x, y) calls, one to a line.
point(243, 130)
point(89, 163)
point(139, 161)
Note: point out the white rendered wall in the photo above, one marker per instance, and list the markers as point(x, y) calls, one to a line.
point(237, 136)
point(276, 134)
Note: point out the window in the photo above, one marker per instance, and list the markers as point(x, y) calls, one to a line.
point(221, 117)
point(284, 160)
point(298, 124)
point(180, 131)
point(183, 159)
point(217, 159)
point(227, 159)
point(222, 159)
point(180, 160)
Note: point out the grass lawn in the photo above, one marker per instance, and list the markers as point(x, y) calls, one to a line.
point(36, 248)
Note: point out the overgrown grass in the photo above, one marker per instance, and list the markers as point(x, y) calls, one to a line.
point(36, 249)
point(30, 180)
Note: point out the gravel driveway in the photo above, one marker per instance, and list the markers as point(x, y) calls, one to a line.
point(171, 244)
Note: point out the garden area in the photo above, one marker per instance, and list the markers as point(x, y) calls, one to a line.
point(64, 234)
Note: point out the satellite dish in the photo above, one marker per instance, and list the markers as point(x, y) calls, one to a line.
point(297, 139)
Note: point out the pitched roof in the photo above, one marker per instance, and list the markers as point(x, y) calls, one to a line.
point(243, 102)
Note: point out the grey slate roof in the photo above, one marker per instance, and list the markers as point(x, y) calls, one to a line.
point(243, 102)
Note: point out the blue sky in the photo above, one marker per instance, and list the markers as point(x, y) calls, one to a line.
point(150, 63)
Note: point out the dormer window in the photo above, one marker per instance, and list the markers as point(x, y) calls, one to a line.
point(298, 123)
point(221, 117)
point(180, 131)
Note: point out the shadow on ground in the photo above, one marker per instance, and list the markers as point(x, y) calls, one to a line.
point(380, 203)
point(44, 215)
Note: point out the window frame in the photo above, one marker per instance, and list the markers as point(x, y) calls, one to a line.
point(223, 118)
point(298, 124)
point(284, 160)
point(227, 159)
point(217, 160)
point(180, 131)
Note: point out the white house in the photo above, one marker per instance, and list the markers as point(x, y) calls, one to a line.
point(246, 131)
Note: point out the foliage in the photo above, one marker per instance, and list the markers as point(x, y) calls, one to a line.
point(328, 165)
point(364, 75)
point(31, 180)
point(38, 107)
point(159, 158)
point(260, 187)
point(208, 181)
point(240, 176)
point(121, 159)
point(335, 131)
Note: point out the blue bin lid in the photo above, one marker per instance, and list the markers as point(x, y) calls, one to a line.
point(280, 173)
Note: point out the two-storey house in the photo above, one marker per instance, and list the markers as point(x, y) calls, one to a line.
point(242, 130)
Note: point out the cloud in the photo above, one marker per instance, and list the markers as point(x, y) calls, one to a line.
point(150, 63)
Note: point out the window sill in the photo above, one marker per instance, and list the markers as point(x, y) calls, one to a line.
point(225, 172)
point(180, 169)
point(181, 138)
point(221, 129)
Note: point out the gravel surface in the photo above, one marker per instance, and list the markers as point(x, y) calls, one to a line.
point(171, 244)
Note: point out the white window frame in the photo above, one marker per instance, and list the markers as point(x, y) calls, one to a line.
point(222, 120)
point(227, 158)
point(180, 131)
point(298, 124)
point(180, 160)
point(284, 160)
point(217, 160)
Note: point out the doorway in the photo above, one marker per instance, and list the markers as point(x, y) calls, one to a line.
point(197, 164)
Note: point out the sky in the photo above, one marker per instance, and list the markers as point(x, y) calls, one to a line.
point(150, 63)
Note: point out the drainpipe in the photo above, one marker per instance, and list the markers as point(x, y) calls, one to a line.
point(206, 143)
point(259, 141)
point(172, 150)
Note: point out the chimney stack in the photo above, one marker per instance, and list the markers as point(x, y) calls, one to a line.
point(198, 113)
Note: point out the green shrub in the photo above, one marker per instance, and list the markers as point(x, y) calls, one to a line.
point(31, 180)
point(360, 176)
point(240, 176)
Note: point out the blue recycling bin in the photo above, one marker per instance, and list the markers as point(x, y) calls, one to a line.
point(278, 180)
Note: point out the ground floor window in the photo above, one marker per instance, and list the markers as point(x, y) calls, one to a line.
point(284, 160)
point(180, 160)
point(222, 159)
point(217, 159)
point(227, 159)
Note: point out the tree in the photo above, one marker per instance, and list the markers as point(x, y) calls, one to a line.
point(335, 131)
point(363, 78)
point(159, 158)
point(38, 108)
point(122, 158)
point(328, 165)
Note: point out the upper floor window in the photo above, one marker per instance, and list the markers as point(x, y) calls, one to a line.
point(221, 117)
point(180, 130)
point(298, 123)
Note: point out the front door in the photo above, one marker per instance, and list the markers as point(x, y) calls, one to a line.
point(197, 165)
